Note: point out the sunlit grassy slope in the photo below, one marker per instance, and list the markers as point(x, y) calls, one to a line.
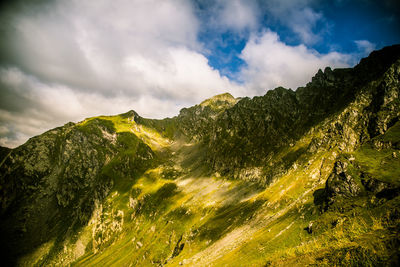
point(126, 123)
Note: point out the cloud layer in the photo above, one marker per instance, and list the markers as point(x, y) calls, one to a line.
point(272, 63)
point(66, 60)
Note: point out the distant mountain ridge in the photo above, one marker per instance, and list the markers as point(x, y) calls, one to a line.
point(310, 177)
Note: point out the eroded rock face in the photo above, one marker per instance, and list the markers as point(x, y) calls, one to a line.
point(380, 189)
point(340, 183)
point(196, 122)
point(341, 107)
point(374, 185)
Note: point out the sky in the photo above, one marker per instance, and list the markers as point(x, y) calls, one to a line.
point(67, 60)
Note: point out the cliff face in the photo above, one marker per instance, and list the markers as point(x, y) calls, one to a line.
point(353, 105)
point(308, 176)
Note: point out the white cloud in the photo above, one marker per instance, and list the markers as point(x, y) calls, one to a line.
point(185, 76)
point(299, 17)
point(272, 63)
point(82, 43)
point(303, 22)
point(365, 47)
point(237, 15)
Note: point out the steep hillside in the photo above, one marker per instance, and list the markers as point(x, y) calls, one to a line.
point(305, 177)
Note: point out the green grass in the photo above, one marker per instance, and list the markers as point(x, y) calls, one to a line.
point(227, 218)
point(359, 238)
point(393, 133)
point(91, 126)
point(125, 123)
point(119, 123)
point(380, 164)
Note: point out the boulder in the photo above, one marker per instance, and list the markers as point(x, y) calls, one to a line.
point(340, 184)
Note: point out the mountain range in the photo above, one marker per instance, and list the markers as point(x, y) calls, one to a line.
point(306, 177)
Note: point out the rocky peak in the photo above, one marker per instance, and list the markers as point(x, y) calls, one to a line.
point(195, 122)
point(219, 101)
point(131, 114)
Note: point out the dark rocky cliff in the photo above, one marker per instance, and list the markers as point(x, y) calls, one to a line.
point(353, 105)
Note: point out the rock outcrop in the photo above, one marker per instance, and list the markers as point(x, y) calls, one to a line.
point(341, 184)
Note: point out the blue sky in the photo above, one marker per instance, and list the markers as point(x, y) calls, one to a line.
point(334, 26)
point(65, 60)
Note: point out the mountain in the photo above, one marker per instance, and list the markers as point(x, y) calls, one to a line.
point(305, 177)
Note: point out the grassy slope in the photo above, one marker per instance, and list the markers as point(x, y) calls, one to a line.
point(380, 162)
